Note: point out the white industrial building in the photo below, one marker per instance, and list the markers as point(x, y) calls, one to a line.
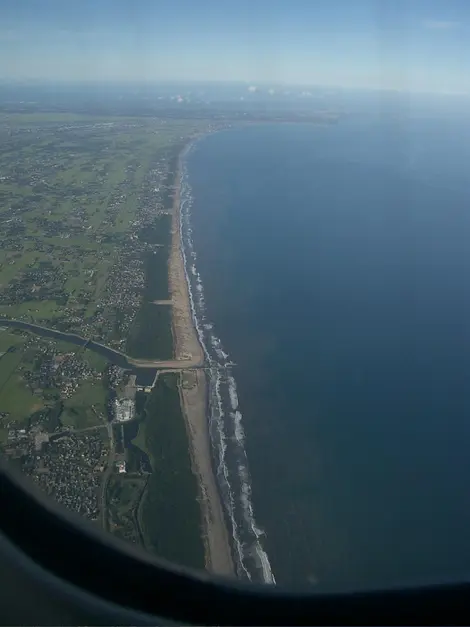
point(125, 409)
point(121, 466)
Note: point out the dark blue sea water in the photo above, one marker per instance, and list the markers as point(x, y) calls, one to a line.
point(334, 265)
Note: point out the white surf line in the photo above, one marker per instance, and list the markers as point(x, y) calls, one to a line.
point(217, 413)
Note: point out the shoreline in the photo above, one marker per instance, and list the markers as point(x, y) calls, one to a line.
point(193, 398)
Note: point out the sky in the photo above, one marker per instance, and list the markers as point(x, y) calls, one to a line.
point(416, 45)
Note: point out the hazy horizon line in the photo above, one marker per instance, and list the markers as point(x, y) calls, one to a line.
point(262, 83)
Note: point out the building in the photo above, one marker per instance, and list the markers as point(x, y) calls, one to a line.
point(121, 466)
point(125, 409)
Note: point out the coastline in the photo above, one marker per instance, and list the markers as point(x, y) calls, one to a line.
point(193, 397)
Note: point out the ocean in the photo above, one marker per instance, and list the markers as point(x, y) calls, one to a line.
point(330, 280)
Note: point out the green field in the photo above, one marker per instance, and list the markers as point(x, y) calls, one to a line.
point(141, 440)
point(96, 361)
point(150, 336)
point(86, 407)
point(156, 274)
point(7, 339)
point(124, 494)
point(170, 515)
point(16, 399)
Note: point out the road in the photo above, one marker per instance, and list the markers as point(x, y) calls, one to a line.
point(170, 364)
point(106, 476)
point(74, 431)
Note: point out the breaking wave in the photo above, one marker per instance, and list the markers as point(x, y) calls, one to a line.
point(224, 415)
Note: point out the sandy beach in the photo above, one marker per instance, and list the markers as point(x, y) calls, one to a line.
point(193, 395)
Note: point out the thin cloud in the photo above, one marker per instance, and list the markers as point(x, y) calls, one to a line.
point(440, 24)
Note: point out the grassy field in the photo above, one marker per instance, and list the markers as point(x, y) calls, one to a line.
point(156, 275)
point(97, 362)
point(3, 435)
point(16, 399)
point(35, 311)
point(8, 339)
point(124, 494)
point(150, 336)
point(140, 439)
point(86, 407)
point(170, 515)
